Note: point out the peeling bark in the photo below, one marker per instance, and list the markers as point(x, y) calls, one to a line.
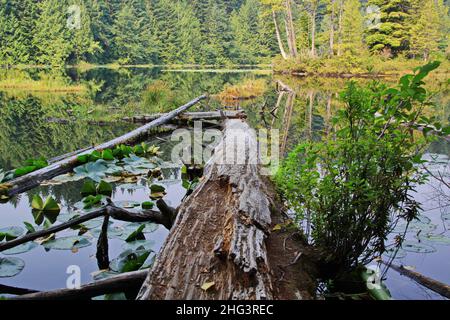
point(223, 232)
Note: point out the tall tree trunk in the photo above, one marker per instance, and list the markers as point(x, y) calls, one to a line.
point(332, 16)
point(292, 39)
point(313, 31)
point(341, 12)
point(277, 31)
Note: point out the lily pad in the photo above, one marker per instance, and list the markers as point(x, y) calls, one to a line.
point(23, 248)
point(149, 226)
point(11, 233)
point(400, 254)
point(417, 247)
point(131, 186)
point(113, 232)
point(127, 204)
point(10, 267)
point(67, 243)
point(139, 245)
point(94, 170)
point(129, 260)
point(434, 239)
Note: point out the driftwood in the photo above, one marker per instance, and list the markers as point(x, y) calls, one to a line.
point(434, 285)
point(164, 218)
point(190, 116)
point(65, 165)
point(116, 284)
point(15, 290)
point(223, 236)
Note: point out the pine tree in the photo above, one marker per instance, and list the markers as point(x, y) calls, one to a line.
point(52, 34)
point(392, 34)
point(352, 28)
point(426, 32)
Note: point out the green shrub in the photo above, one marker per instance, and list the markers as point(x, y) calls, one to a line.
point(354, 185)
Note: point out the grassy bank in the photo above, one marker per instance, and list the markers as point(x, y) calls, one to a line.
point(350, 66)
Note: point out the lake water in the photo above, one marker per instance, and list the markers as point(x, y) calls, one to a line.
point(35, 123)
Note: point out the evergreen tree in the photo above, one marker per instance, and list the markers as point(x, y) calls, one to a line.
point(352, 28)
point(392, 34)
point(426, 32)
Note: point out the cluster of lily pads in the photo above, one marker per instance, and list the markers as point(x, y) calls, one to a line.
point(29, 165)
point(100, 169)
point(421, 237)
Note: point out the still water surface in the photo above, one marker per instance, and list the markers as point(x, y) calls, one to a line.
point(34, 124)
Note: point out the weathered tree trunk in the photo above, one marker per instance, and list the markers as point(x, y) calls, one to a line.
point(313, 30)
point(332, 16)
point(65, 165)
point(278, 34)
point(292, 39)
point(340, 18)
point(224, 235)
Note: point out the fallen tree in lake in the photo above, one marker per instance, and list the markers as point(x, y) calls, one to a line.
point(223, 244)
point(65, 165)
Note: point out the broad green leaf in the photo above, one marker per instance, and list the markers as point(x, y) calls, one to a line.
point(104, 188)
point(148, 205)
point(37, 203)
point(135, 235)
point(88, 188)
point(51, 206)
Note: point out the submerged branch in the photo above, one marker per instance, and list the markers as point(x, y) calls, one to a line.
point(164, 218)
point(120, 283)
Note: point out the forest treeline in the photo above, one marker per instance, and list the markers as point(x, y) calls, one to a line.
point(218, 32)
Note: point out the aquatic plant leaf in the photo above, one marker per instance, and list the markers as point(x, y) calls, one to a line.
point(147, 205)
point(88, 188)
point(107, 155)
point(136, 234)
point(155, 188)
point(51, 206)
point(67, 243)
point(10, 233)
point(129, 261)
point(400, 254)
point(114, 232)
point(94, 170)
point(19, 172)
point(10, 267)
point(131, 186)
point(127, 204)
point(417, 247)
point(434, 239)
point(104, 188)
point(37, 203)
point(138, 245)
point(23, 248)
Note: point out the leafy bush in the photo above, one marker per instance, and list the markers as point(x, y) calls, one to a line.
point(354, 185)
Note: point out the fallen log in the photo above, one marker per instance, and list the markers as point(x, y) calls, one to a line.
point(14, 290)
point(110, 210)
point(434, 285)
point(116, 284)
point(222, 245)
point(63, 166)
point(190, 116)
